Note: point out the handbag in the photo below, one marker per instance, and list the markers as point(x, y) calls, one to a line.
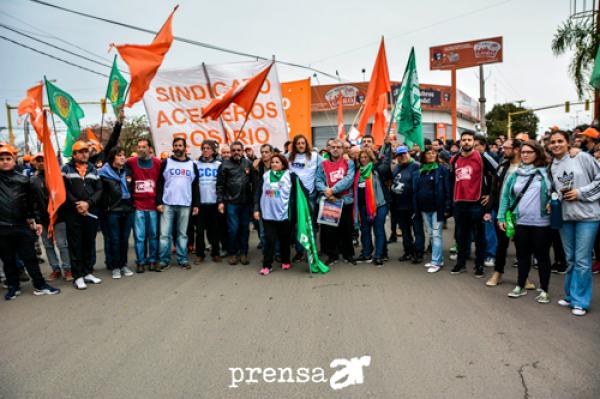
point(510, 218)
point(556, 220)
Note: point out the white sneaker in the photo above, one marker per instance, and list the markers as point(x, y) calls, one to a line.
point(428, 264)
point(434, 269)
point(453, 256)
point(543, 297)
point(563, 302)
point(116, 274)
point(79, 284)
point(90, 278)
point(489, 262)
point(578, 311)
point(126, 272)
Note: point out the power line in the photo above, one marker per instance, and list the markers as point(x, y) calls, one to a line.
point(56, 47)
point(52, 36)
point(184, 40)
point(53, 57)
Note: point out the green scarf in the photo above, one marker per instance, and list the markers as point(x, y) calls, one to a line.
point(275, 176)
point(365, 172)
point(428, 167)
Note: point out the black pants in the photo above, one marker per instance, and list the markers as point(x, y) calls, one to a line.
point(469, 220)
point(276, 231)
point(222, 231)
point(339, 239)
point(410, 223)
point(393, 222)
point(501, 249)
point(559, 251)
point(533, 240)
point(19, 241)
point(208, 221)
point(81, 233)
point(192, 230)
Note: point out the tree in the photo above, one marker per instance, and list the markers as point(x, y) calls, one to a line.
point(579, 36)
point(133, 130)
point(497, 120)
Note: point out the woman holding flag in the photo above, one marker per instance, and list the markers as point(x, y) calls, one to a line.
point(371, 203)
point(275, 193)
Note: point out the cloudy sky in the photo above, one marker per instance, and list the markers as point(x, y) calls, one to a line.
point(329, 35)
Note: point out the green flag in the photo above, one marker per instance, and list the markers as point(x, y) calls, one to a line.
point(407, 112)
point(62, 104)
point(117, 85)
point(595, 78)
point(305, 234)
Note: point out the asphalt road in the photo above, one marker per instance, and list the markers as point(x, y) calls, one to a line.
point(177, 334)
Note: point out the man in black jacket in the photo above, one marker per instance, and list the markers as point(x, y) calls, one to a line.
point(18, 216)
point(59, 238)
point(235, 185)
point(80, 212)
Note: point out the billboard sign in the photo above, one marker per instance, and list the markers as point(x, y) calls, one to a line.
point(466, 54)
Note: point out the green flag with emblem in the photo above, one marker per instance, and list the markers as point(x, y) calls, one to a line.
point(62, 104)
point(117, 86)
point(407, 113)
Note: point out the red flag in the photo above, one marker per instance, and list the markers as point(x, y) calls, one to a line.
point(243, 95)
point(376, 101)
point(53, 175)
point(33, 105)
point(341, 130)
point(144, 60)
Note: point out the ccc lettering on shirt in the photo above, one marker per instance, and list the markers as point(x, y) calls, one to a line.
point(208, 172)
point(179, 172)
point(336, 175)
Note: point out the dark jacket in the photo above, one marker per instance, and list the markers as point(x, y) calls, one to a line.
point(402, 186)
point(112, 196)
point(40, 196)
point(87, 188)
point(113, 140)
point(16, 200)
point(443, 192)
point(497, 184)
point(235, 182)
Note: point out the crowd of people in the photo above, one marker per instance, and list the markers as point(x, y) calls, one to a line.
point(539, 195)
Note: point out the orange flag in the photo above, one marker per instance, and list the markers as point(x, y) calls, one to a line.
point(341, 130)
point(144, 60)
point(53, 175)
point(376, 101)
point(33, 105)
point(243, 95)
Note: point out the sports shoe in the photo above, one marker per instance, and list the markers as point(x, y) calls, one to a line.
point(54, 275)
point(392, 239)
point(161, 267)
point(199, 259)
point(152, 267)
point(596, 267)
point(564, 303)
point(517, 292)
point(364, 259)
point(529, 285)
point(286, 266)
point(495, 280)
point(185, 265)
point(233, 260)
point(418, 258)
point(264, 271)
point(543, 297)
point(453, 252)
point(79, 283)
point(405, 257)
point(350, 260)
point(331, 261)
point(90, 278)
point(515, 263)
point(453, 256)
point(68, 275)
point(140, 269)
point(378, 262)
point(577, 311)
point(23, 276)
point(489, 262)
point(46, 290)
point(116, 274)
point(244, 260)
point(433, 269)
point(12, 293)
point(479, 271)
point(458, 269)
point(559, 268)
point(126, 271)
point(216, 259)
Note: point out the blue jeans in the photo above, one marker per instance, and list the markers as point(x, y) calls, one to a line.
point(378, 226)
point(119, 226)
point(180, 215)
point(491, 239)
point(238, 228)
point(434, 227)
point(578, 242)
point(145, 228)
point(58, 241)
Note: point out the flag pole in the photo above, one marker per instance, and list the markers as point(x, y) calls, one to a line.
point(212, 96)
point(249, 112)
point(53, 123)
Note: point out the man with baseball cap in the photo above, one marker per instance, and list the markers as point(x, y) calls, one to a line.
point(18, 217)
point(80, 210)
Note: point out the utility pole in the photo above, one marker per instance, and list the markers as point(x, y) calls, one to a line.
point(482, 100)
